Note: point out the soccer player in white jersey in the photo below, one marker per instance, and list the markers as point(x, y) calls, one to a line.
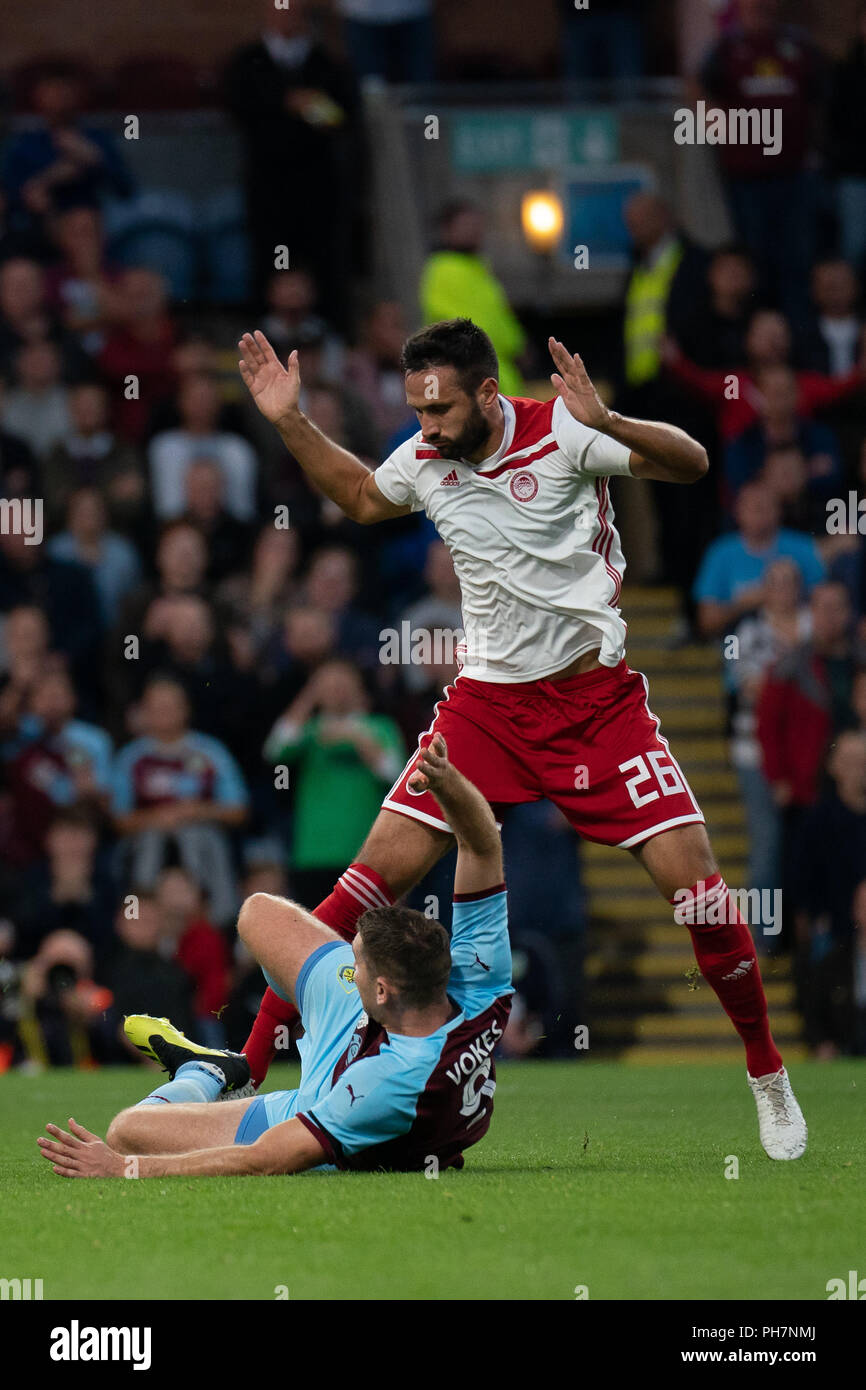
point(545, 704)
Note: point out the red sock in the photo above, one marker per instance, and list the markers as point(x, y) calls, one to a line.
point(357, 889)
point(726, 956)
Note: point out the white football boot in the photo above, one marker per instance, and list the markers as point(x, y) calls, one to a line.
point(780, 1120)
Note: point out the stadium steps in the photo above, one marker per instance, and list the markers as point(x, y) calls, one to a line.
point(646, 1001)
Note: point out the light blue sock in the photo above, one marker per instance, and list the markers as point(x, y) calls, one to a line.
point(194, 1081)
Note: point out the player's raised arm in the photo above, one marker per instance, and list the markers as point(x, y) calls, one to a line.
point(332, 469)
point(479, 848)
point(658, 451)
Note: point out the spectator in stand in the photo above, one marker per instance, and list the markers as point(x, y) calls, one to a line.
point(392, 40)
point(331, 585)
point(91, 455)
point(258, 598)
point(177, 788)
point(62, 162)
point(373, 367)
point(25, 655)
point(346, 759)
point(827, 890)
point(780, 624)
point(228, 540)
point(780, 426)
point(786, 473)
point(199, 948)
point(66, 593)
point(835, 346)
point(139, 346)
point(735, 395)
point(804, 700)
point(25, 317)
point(662, 286)
point(307, 639)
point(64, 1013)
point(761, 65)
point(20, 476)
point(111, 559)
point(82, 288)
point(606, 43)
point(730, 581)
point(198, 436)
point(36, 407)
point(68, 890)
point(457, 282)
point(142, 975)
point(293, 316)
point(712, 332)
point(55, 761)
point(846, 144)
point(298, 112)
point(224, 690)
point(181, 568)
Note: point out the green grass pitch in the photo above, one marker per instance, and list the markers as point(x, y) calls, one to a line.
point(593, 1174)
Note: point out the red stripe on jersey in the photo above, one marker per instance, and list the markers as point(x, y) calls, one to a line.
point(427, 454)
point(511, 462)
point(604, 540)
point(532, 421)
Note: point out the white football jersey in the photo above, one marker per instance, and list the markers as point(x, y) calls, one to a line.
point(531, 534)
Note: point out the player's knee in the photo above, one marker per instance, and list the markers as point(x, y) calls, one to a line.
point(251, 915)
point(120, 1135)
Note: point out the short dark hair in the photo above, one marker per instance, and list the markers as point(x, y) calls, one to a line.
point(457, 343)
point(410, 950)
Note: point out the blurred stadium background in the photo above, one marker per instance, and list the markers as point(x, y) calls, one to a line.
point(417, 159)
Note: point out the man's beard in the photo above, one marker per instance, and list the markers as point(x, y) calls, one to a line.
point(474, 435)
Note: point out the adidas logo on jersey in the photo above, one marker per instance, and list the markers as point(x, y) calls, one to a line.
point(742, 969)
point(450, 479)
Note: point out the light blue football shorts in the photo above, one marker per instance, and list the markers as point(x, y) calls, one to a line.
point(330, 1007)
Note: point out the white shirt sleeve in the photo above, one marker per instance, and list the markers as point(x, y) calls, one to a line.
point(395, 478)
point(588, 450)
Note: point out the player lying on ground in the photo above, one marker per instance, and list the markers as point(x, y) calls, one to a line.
point(397, 1055)
point(545, 704)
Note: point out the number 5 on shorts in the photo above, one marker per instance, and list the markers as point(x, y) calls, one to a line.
point(665, 776)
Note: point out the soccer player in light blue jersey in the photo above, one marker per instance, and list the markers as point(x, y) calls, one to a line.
point(397, 1054)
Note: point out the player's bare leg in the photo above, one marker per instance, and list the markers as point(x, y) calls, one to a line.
point(677, 858)
point(403, 850)
point(682, 866)
point(162, 1129)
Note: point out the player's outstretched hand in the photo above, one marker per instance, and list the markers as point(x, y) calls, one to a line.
point(574, 386)
point(80, 1154)
point(432, 766)
point(273, 387)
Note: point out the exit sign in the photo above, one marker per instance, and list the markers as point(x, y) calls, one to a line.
point(498, 140)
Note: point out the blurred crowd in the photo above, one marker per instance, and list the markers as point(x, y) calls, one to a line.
point(192, 701)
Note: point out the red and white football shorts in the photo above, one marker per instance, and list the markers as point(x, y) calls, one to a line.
point(588, 743)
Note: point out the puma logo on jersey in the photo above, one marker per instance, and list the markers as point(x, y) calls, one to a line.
point(450, 479)
point(353, 1096)
point(742, 969)
point(479, 961)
